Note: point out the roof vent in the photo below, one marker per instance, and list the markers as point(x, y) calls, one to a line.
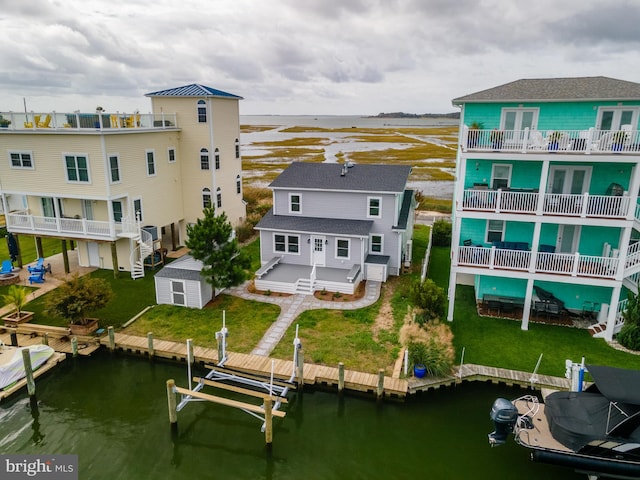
point(343, 172)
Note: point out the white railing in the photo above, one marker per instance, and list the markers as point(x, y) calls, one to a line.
point(25, 223)
point(633, 255)
point(535, 141)
point(518, 201)
point(556, 263)
point(87, 121)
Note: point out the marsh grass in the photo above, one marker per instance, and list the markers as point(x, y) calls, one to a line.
point(435, 204)
point(411, 155)
point(432, 173)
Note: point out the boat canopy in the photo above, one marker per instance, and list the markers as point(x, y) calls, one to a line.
point(617, 384)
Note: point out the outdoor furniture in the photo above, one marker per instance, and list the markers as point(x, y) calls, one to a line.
point(36, 277)
point(7, 267)
point(493, 305)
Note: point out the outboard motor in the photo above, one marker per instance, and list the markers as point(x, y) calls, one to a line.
point(504, 415)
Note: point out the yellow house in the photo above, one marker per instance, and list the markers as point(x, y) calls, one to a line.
point(123, 185)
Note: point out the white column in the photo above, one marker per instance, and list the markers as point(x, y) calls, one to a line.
point(526, 309)
point(542, 188)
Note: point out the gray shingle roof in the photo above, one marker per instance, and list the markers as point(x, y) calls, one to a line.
point(193, 90)
point(326, 176)
point(184, 268)
point(557, 89)
point(331, 226)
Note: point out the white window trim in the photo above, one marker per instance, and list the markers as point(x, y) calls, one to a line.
point(113, 210)
point(204, 152)
point(206, 191)
point(202, 104)
point(133, 205)
point(22, 152)
point(146, 162)
point(172, 292)
point(381, 252)
point(505, 110)
point(216, 159)
point(218, 197)
point(348, 240)
point(634, 120)
point(369, 207)
point(175, 155)
point(76, 155)
point(111, 180)
point(299, 195)
point(286, 244)
point(238, 185)
point(493, 173)
point(486, 231)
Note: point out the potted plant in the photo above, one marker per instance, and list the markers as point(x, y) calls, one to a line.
point(4, 123)
point(554, 141)
point(618, 140)
point(75, 299)
point(418, 356)
point(496, 137)
point(474, 134)
point(16, 296)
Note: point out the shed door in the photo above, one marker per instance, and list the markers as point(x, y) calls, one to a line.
point(178, 296)
point(375, 273)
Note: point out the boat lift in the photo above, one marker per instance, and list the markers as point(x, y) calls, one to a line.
point(272, 392)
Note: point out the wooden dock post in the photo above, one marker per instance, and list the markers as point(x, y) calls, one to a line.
point(14, 339)
point(150, 344)
point(112, 338)
point(190, 358)
point(380, 390)
point(340, 377)
point(45, 339)
point(28, 370)
point(172, 403)
point(74, 346)
point(268, 421)
point(300, 368)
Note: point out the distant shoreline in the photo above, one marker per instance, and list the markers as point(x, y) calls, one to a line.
point(416, 115)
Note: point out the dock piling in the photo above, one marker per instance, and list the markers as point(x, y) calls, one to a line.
point(340, 377)
point(150, 344)
point(300, 367)
point(45, 339)
point(74, 346)
point(380, 390)
point(172, 403)
point(28, 370)
point(112, 338)
point(268, 420)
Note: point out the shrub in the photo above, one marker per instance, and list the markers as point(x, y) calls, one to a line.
point(428, 297)
point(244, 232)
point(441, 233)
point(78, 297)
point(629, 336)
point(433, 354)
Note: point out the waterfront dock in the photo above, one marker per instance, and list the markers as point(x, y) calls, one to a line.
point(22, 383)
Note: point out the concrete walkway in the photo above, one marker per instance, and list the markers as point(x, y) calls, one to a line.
point(291, 306)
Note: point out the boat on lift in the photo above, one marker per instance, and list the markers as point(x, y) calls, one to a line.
point(595, 431)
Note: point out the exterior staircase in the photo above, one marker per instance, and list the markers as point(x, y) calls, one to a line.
point(143, 249)
point(304, 286)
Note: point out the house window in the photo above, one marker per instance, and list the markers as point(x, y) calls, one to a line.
point(495, 230)
point(206, 198)
point(117, 210)
point(151, 163)
point(137, 208)
point(216, 156)
point(342, 248)
point(500, 176)
point(48, 210)
point(177, 292)
point(374, 207)
point(613, 118)
point(171, 155)
point(294, 203)
point(219, 197)
point(204, 159)
point(21, 159)
point(238, 184)
point(237, 148)
point(202, 111)
point(286, 243)
point(114, 167)
point(519, 119)
point(77, 168)
point(376, 244)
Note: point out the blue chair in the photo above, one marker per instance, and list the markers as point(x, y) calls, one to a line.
point(36, 277)
point(39, 267)
point(7, 267)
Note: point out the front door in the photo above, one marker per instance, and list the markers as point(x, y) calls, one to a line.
point(87, 208)
point(318, 252)
point(569, 180)
point(94, 254)
point(568, 237)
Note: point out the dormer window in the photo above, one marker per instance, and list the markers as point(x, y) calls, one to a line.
point(202, 111)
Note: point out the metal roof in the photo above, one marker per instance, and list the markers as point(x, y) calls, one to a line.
point(193, 90)
point(556, 89)
point(331, 226)
point(328, 176)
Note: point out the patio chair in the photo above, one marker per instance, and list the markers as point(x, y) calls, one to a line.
point(45, 123)
point(36, 277)
point(493, 305)
point(507, 308)
point(7, 267)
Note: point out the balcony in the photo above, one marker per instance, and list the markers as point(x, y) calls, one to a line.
point(587, 142)
point(571, 264)
point(76, 121)
point(22, 222)
point(529, 201)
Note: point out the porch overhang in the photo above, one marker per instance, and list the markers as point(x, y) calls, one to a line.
point(315, 225)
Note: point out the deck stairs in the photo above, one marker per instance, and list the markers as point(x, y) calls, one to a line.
point(598, 330)
point(305, 286)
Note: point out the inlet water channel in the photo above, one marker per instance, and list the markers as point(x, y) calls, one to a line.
point(111, 410)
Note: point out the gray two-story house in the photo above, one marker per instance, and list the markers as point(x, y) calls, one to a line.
point(333, 226)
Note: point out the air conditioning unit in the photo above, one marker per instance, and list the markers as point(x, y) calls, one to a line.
point(151, 230)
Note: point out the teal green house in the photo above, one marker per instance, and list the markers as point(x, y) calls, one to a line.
point(546, 221)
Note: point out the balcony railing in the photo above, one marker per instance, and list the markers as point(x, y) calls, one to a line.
point(565, 141)
point(555, 263)
point(49, 121)
point(528, 202)
point(22, 222)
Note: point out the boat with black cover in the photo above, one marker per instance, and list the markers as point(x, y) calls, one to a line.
point(595, 431)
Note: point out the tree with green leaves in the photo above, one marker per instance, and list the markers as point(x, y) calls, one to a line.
point(629, 335)
point(210, 242)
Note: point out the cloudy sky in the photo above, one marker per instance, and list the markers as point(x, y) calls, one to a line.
point(313, 57)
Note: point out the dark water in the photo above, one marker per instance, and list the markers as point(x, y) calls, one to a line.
point(112, 412)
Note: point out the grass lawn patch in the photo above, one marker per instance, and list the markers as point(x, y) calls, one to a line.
point(246, 320)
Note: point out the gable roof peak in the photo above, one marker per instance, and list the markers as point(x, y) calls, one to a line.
point(193, 90)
